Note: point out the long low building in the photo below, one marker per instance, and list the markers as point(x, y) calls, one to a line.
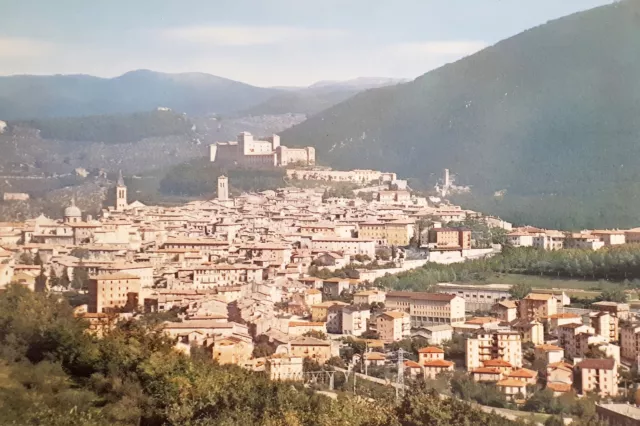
point(428, 308)
point(477, 297)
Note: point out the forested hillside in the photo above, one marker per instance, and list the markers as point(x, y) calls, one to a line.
point(30, 96)
point(111, 128)
point(547, 114)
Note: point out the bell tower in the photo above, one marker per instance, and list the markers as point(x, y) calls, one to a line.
point(121, 194)
point(223, 188)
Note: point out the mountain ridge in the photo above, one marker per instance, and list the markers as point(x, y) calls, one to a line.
point(548, 112)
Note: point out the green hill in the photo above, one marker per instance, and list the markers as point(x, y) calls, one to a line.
point(30, 96)
point(549, 115)
point(119, 128)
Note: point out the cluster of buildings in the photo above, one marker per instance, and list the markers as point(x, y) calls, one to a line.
point(246, 151)
point(238, 268)
point(587, 239)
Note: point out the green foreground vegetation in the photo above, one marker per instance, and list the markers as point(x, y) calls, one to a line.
point(53, 372)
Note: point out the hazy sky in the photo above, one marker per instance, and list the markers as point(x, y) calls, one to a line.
point(262, 42)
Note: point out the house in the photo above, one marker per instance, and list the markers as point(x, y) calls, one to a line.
point(393, 326)
point(537, 306)
point(284, 367)
point(312, 297)
point(231, 350)
point(412, 369)
point(563, 318)
point(354, 320)
point(630, 341)
point(486, 374)
point(621, 310)
point(436, 366)
point(374, 358)
point(573, 338)
point(436, 334)
point(559, 388)
point(367, 297)
point(430, 353)
point(506, 310)
point(513, 389)
point(605, 324)
point(298, 328)
point(334, 319)
point(531, 331)
point(599, 376)
point(449, 239)
point(549, 353)
point(320, 312)
point(530, 377)
point(311, 348)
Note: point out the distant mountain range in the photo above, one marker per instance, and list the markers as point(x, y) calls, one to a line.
point(551, 115)
point(318, 96)
point(31, 97)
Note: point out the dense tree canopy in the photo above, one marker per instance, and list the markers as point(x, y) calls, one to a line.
point(612, 263)
point(57, 374)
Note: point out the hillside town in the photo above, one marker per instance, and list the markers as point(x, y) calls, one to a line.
point(283, 281)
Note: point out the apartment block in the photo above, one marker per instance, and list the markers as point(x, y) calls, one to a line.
point(354, 320)
point(111, 292)
point(537, 306)
point(498, 345)
point(428, 308)
point(605, 324)
point(393, 326)
point(599, 376)
point(630, 342)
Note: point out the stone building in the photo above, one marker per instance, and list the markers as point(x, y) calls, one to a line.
point(111, 292)
point(249, 152)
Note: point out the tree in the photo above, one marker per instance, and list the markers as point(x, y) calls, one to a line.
point(613, 295)
point(53, 278)
point(316, 334)
point(41, 282)
point(64, 280)
point(80, 253)
point(520, 290)
point(370, 334)
point(80, 277)
point(37, 260)
point(26, 258)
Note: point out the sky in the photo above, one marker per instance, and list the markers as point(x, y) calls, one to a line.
point(261, 42)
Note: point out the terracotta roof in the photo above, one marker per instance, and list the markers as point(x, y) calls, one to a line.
point(374, 356)
point(411, 364)
point(481, 320)
point(430, 350)
point(486, 370)
point(524, 373)
point(538, 296)
point(511, 382)
point(395, 314)
point(597, 364)
point(305, 324)
point(559, 387)
point(564, 315)
point(116, 276)
point(508, 304)
point(560, 365)
point(437, 363)
point(496, 363)
point(549, 348)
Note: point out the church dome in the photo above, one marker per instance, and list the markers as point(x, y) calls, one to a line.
point(72, 210)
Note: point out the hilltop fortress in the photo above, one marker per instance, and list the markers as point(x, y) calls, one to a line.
point(249, 152)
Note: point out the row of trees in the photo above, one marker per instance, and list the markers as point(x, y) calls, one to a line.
point(611, 263)
point(58, 374)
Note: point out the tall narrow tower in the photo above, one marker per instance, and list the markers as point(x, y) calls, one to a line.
point(223, 188)
point(121, 194)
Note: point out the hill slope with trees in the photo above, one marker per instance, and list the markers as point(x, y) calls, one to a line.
point(30, 96)
point(546, 114)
